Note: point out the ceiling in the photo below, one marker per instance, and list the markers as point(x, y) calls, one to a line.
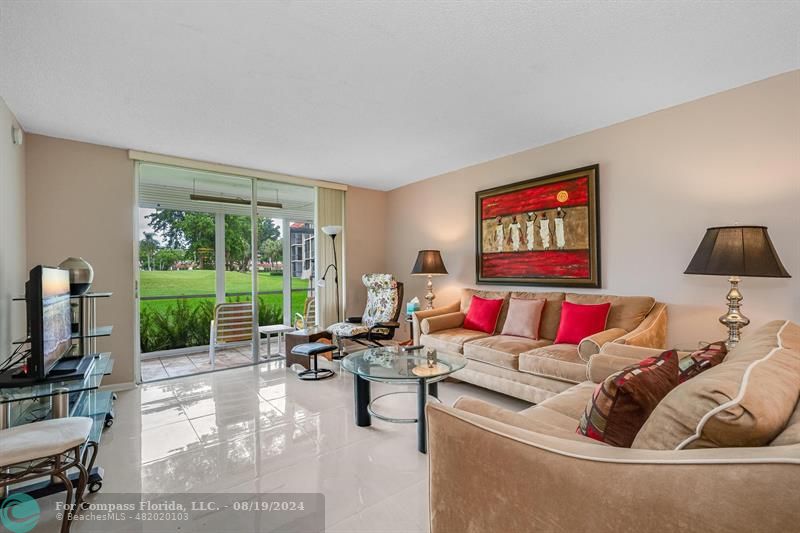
point(374, 94)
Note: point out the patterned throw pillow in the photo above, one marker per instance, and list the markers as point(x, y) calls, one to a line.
point(703, 359)
point(621, 404)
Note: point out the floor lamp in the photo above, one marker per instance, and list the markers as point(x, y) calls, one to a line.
point(332, 231)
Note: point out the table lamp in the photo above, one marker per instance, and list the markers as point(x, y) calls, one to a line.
point(429, 263)
point(736, 251)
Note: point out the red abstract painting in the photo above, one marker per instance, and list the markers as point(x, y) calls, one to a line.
point(542, 231)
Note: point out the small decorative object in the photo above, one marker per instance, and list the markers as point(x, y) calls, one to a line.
point(81, 275)
point(429, 263)
point(431, 357)
point(736, 251)
point(75, 309)
point(412, 306)
point(542, 231)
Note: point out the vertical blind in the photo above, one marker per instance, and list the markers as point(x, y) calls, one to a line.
point(329, 212)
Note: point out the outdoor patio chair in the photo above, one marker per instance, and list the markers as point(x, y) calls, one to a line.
point(379, 321)
point(233, 323)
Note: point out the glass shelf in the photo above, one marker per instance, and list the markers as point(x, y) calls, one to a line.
point(94, 405)
point(87, 296)
point(102, 365)
point(102, 331)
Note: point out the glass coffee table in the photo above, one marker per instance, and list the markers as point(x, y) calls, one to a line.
point(394, 365)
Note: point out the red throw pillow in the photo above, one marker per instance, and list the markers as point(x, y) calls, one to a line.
point(622, 403)
point(578, 321)
point(483, 314)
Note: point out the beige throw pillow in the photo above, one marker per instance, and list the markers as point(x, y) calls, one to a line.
point(746, 400)
point(523, 318)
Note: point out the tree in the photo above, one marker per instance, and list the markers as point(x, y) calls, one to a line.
point(187, 230)
point(237, 242)
point(267, 231)
point(194, 232)
point(272, 250)
point(147, 249)
point(165, 258)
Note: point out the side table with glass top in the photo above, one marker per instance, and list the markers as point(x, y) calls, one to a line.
point(395, 366)
point(59, 399)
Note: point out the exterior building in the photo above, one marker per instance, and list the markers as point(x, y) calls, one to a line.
point(301, 246)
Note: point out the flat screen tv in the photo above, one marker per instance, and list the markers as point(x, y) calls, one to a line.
point(50, 318)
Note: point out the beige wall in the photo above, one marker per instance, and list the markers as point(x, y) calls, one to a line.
point(729, 158)
point(80, 203)
point(365, 243)
point(12, 232)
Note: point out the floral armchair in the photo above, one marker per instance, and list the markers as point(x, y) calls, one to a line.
point(379, 321)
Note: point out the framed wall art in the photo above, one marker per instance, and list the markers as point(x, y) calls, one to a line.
point(541, 231)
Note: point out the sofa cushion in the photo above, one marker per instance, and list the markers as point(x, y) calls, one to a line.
point(579, 321)
point(523, 318)
point(531, 423)
point(569, 403)
point(626, 312)
point(791, 433)
point(501, 350)
point(551, 313)
point(747, 400)
point(557, 361)
point(450, 340)
point(621, 404)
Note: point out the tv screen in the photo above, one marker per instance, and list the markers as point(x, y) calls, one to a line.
point(51, 317)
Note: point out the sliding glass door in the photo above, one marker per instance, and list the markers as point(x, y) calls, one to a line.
point(200, 246)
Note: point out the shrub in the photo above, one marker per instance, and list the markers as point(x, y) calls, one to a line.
point(188, 323)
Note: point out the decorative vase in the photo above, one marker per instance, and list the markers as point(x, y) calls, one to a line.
point(81, 275)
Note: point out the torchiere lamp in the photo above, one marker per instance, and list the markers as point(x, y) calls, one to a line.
point(736, 251)
point(332, 231)
point(429, 263)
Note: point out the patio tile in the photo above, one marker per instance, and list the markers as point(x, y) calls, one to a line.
point(152, 370)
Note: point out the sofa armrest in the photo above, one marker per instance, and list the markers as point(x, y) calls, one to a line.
point(489, 476)
point(419, 316)
point(438, 323)
point(613, 357)
point(592, 344)
point(652, 332)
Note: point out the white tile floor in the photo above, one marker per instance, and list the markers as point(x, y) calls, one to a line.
point(157, 368)
point(260, 429)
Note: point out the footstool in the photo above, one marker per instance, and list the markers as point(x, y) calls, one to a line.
point(311, 350)
point(51, 447)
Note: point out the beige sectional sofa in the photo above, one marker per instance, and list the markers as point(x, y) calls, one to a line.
point(535, 370)
point(720, 453)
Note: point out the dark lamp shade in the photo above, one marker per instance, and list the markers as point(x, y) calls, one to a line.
point(737, 251)
point(429, 262)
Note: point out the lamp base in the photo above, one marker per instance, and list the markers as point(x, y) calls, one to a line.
point(429, 296)
point(734, 319)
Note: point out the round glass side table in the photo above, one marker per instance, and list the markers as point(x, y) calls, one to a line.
point(422, 367)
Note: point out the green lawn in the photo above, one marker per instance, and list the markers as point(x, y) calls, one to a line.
point(186, 282)
point(189, 282)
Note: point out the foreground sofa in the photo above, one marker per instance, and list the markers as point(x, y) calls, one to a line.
point(535, 370)
point(496, 470)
